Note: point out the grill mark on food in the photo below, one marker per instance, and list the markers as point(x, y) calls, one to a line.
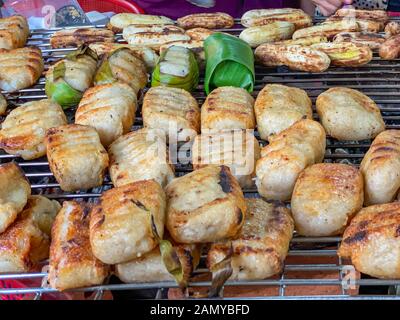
point(357, 237)
point(247, 249)
point(224, 180)
point(398, 231)
point(139, 205)
point(85, 213)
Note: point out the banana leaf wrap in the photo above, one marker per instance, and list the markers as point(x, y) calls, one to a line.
point(56, 86)
point(229, 62)
point(176, 68)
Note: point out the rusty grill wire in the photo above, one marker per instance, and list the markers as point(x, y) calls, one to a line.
point(379, 80)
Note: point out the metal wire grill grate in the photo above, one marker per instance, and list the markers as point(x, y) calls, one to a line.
point(312, 262)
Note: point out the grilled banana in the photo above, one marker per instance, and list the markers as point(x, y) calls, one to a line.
point(260, 17)
point(328, 29)
point(392, 28)
point(372, 40)
point(195, 45)
point(199, 33)
point(378, 15)
point(345, 54)
point(275, 31)
point(365, 25)
point(216, 20)
point(308, 41)
point(119, 21)
point(14, 32)
point(76, 37)
point(295, 57)
point(390, 49)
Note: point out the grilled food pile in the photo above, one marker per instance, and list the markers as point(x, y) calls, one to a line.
point(152, 225)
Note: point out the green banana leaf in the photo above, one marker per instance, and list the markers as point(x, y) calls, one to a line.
point(229, 62)
point(187, 80)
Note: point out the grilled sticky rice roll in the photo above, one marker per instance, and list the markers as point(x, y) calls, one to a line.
point(109, 108)
point(214, 20)
point(277, 107)
point(76, 37)
point(390, 49)
point(14, 192)
point(121, 20)
point(237, 149)
point(392, 28)
point(365, 25)
point(199, 34)
point(295, 57)
point(72, 263)
point(121, 224)
point(325, 198)
point(378, 15)
point(372, 40)
point(308, 41)
point(288, 153)
point(381, 168)
point(173, 110)
point(14, 32)
point(274, 31)
point(151, 268)
point(20, 68)
point(205, 205)
point(148, 55)
point(195, 45)
point(228, 108)
point(122, 65)
point(153, 36)
point(140, 155)
point(372, 241)
point(76, 156)
point(345, 54)
point(23, 131)
point(260, 248)
point(3, 105)
point(328, 29)
point(260, 17)
point(348, 114)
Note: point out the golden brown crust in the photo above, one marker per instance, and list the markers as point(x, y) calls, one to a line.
point(121, 20)
point(287, 154)
point(14, 192)
point(237, 149)
point(372, 241)
point(392, 28)
point(325, 198)
point(215, 20)
point(140, 155)
point(307, 41)
point(348, 114)
point(109, 108)
point(260, 17)
point(294, 56)
point(76, 157)
point(20, 68)
point(328, 29)
point(120, 225)
point(390, 49)
point(274, 31)
point(277, 107)
point(372, 40)
point(171, 110)
point(205, 205)
point(72, 263)
point(264, 238)
point(23, 131)
point(379, 15)
point(381, 168)
point(366, 25)
point(77, 37)
point(199, 34)
point(228, 108)
point(14, 32)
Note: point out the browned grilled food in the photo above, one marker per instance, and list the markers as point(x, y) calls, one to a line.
point(390, 49)
point(260, 248)
point(260, 17)
point(366, 25)
point(109, 108)
point(237, 149)
point(122, 20)
point(328, 29)
point(199, 34)
point(287, 154)
point(392, 28)
point(72, 263)
point(205, 205)
point(378, 15)
point(77, 37)
point(3, 105)
point(23, 131)
point(173, 110)
point(215, 20)
point(121, 224)
point(228, 108)
point(381, 168)
point(307, 41)
point(20, 68)
point(76, 157)
point(294, 56)
point(372, 241)
point(14, 32)
point(372, 40)
point(140, 155)
point(325, 198)
point(14, 192)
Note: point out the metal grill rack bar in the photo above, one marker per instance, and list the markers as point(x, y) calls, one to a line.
point(320, 267)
